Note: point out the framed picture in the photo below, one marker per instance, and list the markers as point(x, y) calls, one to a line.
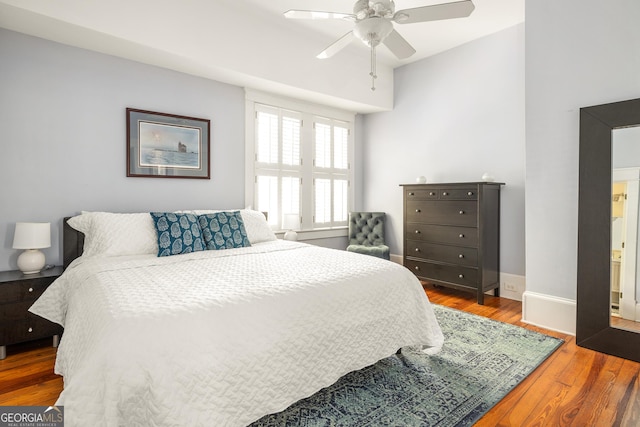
point(161, 145)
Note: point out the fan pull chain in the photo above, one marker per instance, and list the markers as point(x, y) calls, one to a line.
point(373, 74)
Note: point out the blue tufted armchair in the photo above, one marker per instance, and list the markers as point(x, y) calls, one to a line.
point(366, 234)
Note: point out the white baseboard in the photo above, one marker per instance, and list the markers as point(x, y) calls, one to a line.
point(549, 312)
point(397, 259)
point(512, 286)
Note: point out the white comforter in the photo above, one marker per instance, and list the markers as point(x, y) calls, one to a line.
point(221, 338)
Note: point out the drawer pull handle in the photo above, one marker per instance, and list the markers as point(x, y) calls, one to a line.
point(417, 249)
point(461, 256)
point(411, 193)
point(417, 210)
point(431, 193)
point(461, 212)
point(461, 236)
point(461, 276)
point(30, 289)
point(470, 193)
point(417, 231)
point(417, 268)
point(30, 329)
point(445, 193)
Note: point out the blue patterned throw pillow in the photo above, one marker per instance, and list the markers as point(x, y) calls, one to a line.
point(177, 233)
point(223, 230)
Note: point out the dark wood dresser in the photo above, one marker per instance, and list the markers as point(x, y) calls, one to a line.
point(452, 234)
point(17, 293)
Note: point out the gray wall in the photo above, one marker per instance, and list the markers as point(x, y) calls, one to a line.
point(578, 53)
point(62, 124)
point(457, 115)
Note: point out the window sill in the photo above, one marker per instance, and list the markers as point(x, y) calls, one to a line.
point(325, 233)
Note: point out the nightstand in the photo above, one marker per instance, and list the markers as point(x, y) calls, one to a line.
point(17, 293)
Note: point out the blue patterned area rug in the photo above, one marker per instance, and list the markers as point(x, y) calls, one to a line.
point(480, 362)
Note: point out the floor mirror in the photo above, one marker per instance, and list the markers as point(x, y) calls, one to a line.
point(598, 247)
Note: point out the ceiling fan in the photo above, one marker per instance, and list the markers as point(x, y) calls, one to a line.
point(374, 25)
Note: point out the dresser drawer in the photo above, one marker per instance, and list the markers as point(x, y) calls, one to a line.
point(431, 194)
point(24, 290)
point(460, 275)
point(30, 328)
point(447, 212)
point(458, 194)
point(460, 236)
point(443, 253)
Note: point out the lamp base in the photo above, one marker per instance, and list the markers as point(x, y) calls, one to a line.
point(290, 235)
point(31, 261)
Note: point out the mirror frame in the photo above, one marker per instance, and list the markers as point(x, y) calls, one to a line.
point(593, 323)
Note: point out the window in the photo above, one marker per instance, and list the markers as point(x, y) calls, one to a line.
point(299, 162)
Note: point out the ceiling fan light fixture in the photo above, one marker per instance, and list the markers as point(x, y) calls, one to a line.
point(374, 21)
point(372, 31)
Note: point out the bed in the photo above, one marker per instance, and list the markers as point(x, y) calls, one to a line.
point(218, 337)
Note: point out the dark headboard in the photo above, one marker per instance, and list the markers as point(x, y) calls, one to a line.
point(72, 243)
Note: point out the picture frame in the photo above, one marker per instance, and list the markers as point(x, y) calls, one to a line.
point(161, 145)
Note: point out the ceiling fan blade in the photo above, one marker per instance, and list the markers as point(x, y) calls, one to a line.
point(316, 14)
point(436, 12)
point(398, 45)
point(336, 46)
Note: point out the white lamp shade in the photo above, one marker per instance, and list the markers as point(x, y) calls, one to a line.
point(32, 235)
point(290, 221)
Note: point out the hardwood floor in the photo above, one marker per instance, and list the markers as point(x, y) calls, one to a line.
point(573, 387)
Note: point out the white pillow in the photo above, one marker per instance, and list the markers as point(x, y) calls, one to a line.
point(112, 234)
point(255, 223)
point(258, 229)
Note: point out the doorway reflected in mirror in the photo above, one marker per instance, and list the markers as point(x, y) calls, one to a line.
point(625, 200)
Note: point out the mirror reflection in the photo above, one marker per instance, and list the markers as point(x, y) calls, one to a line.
point(625, 252)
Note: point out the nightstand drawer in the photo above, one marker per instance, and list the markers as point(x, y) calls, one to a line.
point(16, 311)
point(17, 293)
point(33, 327)
point(24, 290)
point(445, 212)
point(442, 253)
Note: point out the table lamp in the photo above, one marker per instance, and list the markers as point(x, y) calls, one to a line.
point(289, 222)
point(31, 236)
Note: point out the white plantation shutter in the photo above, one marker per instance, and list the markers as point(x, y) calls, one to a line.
point(340, 199)
point(323, 145)
point(331, 172)
point(290, 141)
point(301, 166)
point(267, 136)
point(267, 196)
point(323, 201)
point(290, 195)
point(341, 145)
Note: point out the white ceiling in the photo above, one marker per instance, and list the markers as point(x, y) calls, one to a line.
point(427, 38)
point(249, 42)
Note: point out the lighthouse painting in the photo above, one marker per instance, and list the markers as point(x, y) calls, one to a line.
point(166, 145)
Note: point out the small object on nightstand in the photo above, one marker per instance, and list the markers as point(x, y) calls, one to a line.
point(17, 293)
point(421, 179)
point(31, 236)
